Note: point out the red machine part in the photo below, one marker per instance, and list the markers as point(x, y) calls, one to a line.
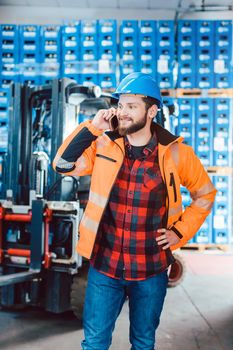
point(25, 218)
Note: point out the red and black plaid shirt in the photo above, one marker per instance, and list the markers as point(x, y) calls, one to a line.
point(125, 245)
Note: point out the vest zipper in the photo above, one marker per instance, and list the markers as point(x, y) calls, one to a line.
point(173, 184)
point(167, 196)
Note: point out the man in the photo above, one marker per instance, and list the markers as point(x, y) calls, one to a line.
point(134, 214)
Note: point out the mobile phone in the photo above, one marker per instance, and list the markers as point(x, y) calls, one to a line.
point(113, 123)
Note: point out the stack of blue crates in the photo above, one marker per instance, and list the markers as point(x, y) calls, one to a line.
point(186, 120)
point(4, 105)
point(9, 54)
point(204, 130)
point(128, 47)
point(147, 47)
point(205, 54)
point(50, 53)
point(205, 123)
point(223, 54)
point(222, 136)
point(165, 49)
point(107, 53)
point(29, 54)
point(221, 210)
point(4, 120)
point(70, 54)
point(89, 52)
point(186, 54)
point(209, 43)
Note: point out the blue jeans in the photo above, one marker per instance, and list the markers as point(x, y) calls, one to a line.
point(104, 299)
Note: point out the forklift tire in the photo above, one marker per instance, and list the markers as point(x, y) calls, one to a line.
point(78, 289)
point(176, 271)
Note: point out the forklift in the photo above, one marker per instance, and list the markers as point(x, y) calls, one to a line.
point(40, 210)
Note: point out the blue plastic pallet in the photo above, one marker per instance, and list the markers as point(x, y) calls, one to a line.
point(89, 40)
point(129, 27)
point(50, 32)
point(224, 80)
point(89, 53)
point(88, 27)
point(127, 68)
point(30, 80)
point(70, 54)
point(107, 81)
point(147, 27)
point(4, 95)
point(7, 57)
point(148, 67)
point(88, 79)
point(128, 54)
point(69, 68)
point(146, 54)
point(165, 80)
point(70, 42)
point(107, 26)
point(9, 31)
point(109, 53)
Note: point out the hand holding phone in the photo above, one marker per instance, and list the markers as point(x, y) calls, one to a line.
point(102, 118)
point(113, 123)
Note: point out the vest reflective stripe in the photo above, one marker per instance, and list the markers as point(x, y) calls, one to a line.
point(63, 164)
point(97, 199)
point(207, 188)
point(175, 211)
point(89, 224)
point(203, 203)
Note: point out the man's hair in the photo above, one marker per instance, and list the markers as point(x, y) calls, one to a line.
point(150, 101)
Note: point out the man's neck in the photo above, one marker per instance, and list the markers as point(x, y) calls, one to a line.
point(140, 138)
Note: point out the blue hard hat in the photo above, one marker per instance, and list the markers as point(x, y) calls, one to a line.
point(139, 83)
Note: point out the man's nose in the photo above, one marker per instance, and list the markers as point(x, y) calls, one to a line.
point(123, 111)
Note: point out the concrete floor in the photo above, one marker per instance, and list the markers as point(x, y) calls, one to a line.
point(198, 314)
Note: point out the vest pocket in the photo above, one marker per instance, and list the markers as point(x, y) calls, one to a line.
point(105, 157)
point(173, 184)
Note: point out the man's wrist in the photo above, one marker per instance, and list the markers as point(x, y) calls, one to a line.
point(94, 129)
point(176, 232)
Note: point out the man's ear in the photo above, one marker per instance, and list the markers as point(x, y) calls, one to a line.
point(152, 111)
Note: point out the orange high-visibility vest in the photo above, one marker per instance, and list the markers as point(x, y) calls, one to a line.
point(178, 164)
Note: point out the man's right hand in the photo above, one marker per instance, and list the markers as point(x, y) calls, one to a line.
point(101, 119)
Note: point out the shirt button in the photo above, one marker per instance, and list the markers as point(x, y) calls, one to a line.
point(126, 229)
point(130, 192)
point(129, 211)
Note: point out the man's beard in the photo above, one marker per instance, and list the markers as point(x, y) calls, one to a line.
point(134, 127)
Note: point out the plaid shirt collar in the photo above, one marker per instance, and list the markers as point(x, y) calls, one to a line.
point(148, 149)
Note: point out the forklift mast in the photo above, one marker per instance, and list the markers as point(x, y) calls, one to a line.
point(40, 209)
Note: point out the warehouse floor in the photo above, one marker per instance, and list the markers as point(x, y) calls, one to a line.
point(198, 315)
